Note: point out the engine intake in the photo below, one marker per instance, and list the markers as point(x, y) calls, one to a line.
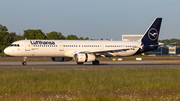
point(82, 57)
point(61, 59)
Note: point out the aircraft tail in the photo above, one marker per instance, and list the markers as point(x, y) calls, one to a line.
point(152, 33)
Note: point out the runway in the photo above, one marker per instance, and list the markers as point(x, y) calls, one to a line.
point(103, 64)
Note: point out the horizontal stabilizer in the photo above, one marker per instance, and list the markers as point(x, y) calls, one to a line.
point(159, 45)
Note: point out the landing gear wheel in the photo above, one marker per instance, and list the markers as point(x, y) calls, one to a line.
point(96, 62)
point(80, 63)
point(24, 63)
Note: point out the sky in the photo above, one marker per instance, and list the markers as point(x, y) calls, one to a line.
point(96, 19)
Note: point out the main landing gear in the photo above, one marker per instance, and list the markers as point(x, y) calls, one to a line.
point(96, 62)
point(24, 62)
point(80, 63)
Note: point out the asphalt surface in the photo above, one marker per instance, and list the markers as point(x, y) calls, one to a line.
point(103, 64)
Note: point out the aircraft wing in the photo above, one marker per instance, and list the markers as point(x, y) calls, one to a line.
point(111, 50)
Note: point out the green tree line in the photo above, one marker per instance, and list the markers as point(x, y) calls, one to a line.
point(172, 41)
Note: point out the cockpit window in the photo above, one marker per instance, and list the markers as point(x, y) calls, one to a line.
point(14, 45)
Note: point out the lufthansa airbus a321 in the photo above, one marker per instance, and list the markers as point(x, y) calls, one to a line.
point(86, 51)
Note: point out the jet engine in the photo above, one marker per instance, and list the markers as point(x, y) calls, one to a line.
point(82, 57)
point(61, 59)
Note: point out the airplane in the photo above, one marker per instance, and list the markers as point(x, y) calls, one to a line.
point(85, 50)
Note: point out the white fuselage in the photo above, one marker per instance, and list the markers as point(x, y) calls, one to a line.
point(67, 48)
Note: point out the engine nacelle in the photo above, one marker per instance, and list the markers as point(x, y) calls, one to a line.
point(61, 59)
point(82, 57)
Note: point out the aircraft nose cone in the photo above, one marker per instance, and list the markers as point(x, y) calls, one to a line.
point(6, 51)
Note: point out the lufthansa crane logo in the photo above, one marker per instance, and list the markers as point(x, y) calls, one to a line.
point(153, 34)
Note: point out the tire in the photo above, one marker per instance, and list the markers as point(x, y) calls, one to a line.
point(96, 62)
point(80, 63)
point(23, 63)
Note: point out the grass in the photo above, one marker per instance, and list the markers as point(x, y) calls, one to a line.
point(125, 84)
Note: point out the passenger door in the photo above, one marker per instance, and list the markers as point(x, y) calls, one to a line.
point(101, 46)
point(61, 47)
point(27, 46)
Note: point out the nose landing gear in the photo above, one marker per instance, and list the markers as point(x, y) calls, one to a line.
point(24, 62)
